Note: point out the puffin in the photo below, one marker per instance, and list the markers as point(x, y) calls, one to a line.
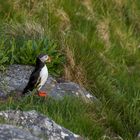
point(39, 76)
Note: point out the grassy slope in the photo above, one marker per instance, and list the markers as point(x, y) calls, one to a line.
point(101, 42)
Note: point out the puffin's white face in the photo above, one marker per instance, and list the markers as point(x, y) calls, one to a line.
point(45, 58)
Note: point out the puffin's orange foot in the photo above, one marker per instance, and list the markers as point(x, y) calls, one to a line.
point(42, 94)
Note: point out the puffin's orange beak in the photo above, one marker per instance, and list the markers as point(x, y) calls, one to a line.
point(49, 59)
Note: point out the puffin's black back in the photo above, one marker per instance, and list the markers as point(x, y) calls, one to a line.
point(34, 76)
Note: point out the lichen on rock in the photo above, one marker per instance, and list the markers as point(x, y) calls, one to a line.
point(34, 125)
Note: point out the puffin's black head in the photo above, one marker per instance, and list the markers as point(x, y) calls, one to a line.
point(44, 58)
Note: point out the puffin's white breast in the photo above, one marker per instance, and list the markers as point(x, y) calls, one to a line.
point(43, 75)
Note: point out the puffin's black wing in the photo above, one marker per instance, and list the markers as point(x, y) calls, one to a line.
point(34, 80)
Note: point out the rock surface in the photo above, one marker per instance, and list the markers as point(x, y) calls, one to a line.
point(16, 78)
point(32, 126)
point(9, 132)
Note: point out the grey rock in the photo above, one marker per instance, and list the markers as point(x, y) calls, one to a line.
point(16, 77)
point(36, 125)
point(10, 132)
point(70, 89)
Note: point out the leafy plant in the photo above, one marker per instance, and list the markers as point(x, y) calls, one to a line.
point(12, 53)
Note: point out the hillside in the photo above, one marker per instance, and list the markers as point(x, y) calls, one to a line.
point(94, 43)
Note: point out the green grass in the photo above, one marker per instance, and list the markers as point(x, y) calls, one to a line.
point(66, 112)
point(100, 41)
